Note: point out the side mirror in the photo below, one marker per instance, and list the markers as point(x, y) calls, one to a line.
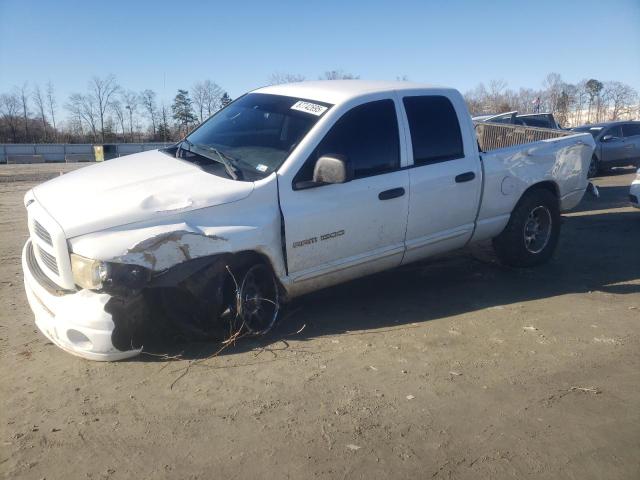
point(607, 138)
point(331, 169)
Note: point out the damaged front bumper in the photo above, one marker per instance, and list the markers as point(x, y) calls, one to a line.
point(75, 321)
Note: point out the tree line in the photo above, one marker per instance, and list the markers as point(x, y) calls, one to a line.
point(588, 101)
point(107, 112)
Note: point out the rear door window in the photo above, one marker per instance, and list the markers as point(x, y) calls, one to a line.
point(631, 129)
point(435, 130)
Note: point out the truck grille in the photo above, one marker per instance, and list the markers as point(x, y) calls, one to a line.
point(42, 233)
point(49, 260)
point(50, 247)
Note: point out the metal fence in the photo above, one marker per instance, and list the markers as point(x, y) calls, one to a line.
point(69, 152)
point(492, 136)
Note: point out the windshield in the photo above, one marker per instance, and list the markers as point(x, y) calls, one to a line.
point(594, 131)
point(256, 133)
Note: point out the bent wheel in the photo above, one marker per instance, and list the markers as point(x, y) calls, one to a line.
point(257, 299)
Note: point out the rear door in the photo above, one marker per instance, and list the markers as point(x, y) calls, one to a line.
point(631, 134)
point(354, 227)
point(445, 177)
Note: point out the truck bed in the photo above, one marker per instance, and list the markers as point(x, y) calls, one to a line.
point(492, 136)
point(515, 158)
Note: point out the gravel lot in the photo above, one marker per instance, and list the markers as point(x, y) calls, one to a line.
point(454, 368)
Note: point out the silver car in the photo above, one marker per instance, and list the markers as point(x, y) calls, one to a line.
point(617, 145)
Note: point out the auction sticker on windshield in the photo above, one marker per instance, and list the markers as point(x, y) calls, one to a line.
point(308, 107)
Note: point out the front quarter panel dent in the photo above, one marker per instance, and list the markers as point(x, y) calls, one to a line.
point(168, 249)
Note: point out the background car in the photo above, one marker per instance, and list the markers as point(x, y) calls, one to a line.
point(617, 145)
point(540, 120)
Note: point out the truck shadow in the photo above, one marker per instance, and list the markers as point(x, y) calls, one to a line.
point(598, 251)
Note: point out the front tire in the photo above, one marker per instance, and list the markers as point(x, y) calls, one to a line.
point(258, 299)
point(532, 233)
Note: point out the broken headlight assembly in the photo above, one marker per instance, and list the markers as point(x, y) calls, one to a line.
point(108, 276)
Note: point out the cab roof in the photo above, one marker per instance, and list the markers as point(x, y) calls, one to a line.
point(338, 91)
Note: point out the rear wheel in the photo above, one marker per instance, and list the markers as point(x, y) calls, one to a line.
point(532, 233)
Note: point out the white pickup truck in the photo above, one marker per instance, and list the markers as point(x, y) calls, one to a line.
point(289, 189)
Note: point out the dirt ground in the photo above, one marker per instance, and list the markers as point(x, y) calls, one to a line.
point(453, 368)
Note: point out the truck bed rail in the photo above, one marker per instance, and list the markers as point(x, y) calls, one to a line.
point(492, 136)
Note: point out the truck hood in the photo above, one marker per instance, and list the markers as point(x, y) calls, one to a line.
point(133, 189)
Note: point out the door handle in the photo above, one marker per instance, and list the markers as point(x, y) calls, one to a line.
point(465, 177)
point(393, 193)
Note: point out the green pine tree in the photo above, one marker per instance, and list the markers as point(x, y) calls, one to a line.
point(225, 99)
point(182, 109)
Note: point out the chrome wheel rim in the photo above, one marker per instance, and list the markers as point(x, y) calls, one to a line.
point(537, 229)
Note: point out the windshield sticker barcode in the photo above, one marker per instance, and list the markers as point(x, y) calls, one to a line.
point(309, 107)
point(261, 168)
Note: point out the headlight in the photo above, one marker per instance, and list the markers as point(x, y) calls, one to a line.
point(112, 277)
point(89, 273)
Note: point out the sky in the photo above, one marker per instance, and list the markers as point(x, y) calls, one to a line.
point(165, 45)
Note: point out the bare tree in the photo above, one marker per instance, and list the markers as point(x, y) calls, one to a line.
point(552, 86)
point(525, 100)
point(118, 111)
point(580, 103)
point(103, 90)
point(206, 97)
point(148, 102)
point(338, 75)
point(213, 97)
point(85, 110)
point(495, 96)
point(39, 100)
point(10, 108)
point(164, 130)
point(278, 78)
point(130, 102)
point(476, 100)
point(23, 94)
point(199, 94)
point(621, 98)
point(51, 101)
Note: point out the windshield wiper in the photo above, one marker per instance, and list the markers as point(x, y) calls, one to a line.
point(233, 171)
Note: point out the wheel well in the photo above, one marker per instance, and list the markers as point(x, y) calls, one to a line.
point(243, 259)
point(239, 262)
point(546, 185)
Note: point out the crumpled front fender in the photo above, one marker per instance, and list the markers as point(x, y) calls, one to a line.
point(161, 243)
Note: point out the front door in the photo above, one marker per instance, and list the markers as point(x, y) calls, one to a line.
point(351, 228)
point(613, 149)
